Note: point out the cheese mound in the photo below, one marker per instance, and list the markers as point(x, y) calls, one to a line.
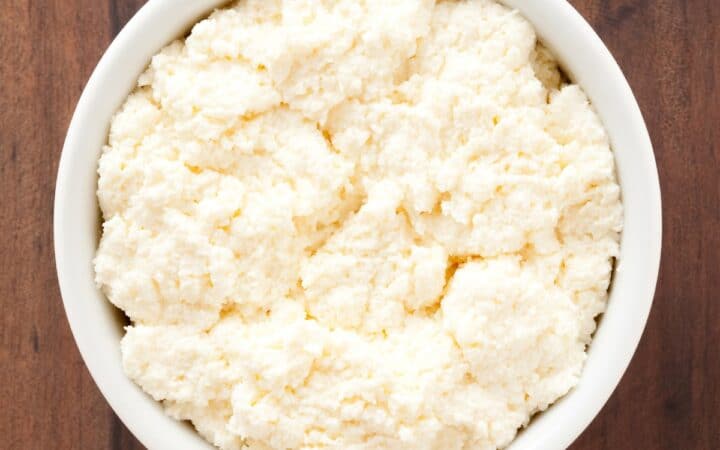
point(357, 225)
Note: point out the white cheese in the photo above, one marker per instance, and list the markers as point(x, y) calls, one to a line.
point(357, 225)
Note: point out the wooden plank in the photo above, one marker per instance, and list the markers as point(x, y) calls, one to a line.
point(670, 396)
point(670, 53)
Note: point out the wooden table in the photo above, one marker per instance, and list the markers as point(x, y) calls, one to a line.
point(668, 399)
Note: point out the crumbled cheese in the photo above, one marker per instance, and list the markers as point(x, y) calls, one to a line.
point(368, 225)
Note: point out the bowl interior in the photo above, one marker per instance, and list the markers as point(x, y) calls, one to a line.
point(97, 325)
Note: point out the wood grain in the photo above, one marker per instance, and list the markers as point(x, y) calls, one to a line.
point(668, 399)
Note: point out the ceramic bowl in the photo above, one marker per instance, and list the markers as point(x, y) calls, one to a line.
point(97, 325)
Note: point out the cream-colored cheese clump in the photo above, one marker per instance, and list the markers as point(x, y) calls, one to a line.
point(357, 225)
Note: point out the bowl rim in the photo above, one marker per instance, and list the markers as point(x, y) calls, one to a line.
point(574, 412)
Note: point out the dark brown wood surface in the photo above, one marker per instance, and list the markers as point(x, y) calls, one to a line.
point(670, 53)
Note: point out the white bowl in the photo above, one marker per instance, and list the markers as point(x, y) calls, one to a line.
point(96, 324)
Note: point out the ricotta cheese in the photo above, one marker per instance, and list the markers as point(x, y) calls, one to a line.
point(357, 225)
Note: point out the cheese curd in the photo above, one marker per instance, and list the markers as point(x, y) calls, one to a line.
point(357, 225)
